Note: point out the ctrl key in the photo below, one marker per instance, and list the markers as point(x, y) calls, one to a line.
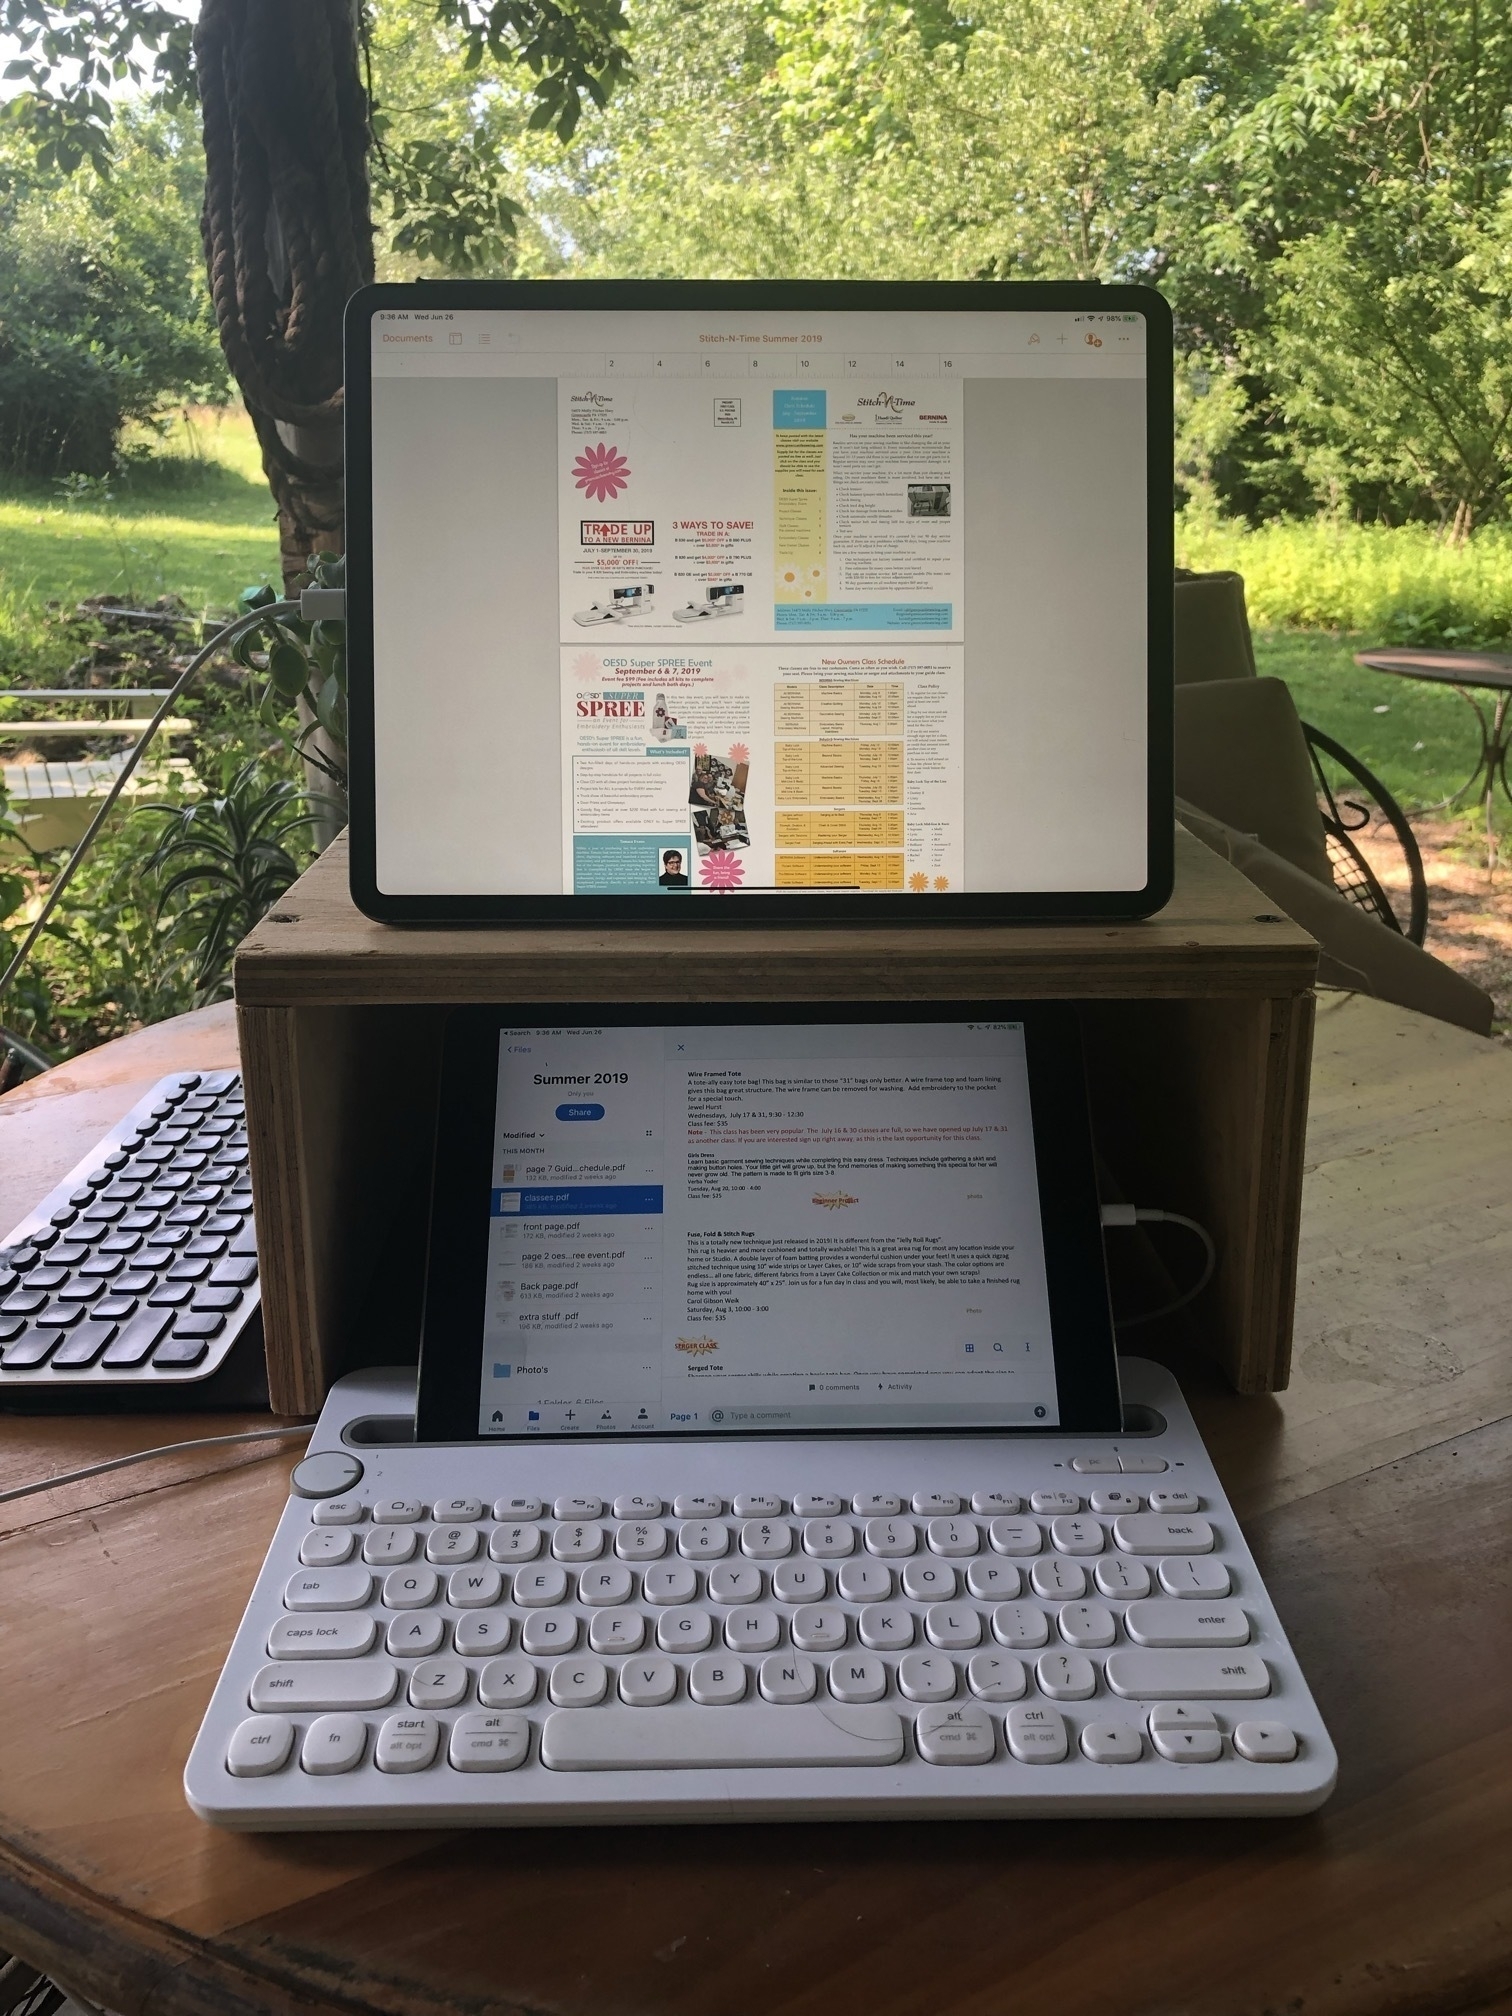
point(1036, 1735)
point(489, 1742)
point(260, 1746)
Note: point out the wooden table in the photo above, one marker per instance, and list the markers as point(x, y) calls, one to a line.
point(1374, 1491)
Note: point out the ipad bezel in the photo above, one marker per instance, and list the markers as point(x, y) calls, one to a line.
point(761, 296)
point(451, 1349)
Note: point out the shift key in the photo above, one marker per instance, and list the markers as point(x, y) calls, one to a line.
point(236, 1271)
point(1187, 1676)
point(344, 1683)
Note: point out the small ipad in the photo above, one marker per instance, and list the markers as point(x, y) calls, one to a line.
point(764, 1222)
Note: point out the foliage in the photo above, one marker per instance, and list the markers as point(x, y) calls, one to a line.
point(103, 310)
point(305, 673)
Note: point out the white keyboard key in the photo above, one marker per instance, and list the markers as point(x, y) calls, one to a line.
point(1096, 1462)
point(328, 1589)
point(752, 1630)
point(956, 1537)
point(1173, 1622)
point(640, 1542)
point(438, 1683)
point(333, 1743)
point(961, 1735)
point(599, 1587)
point(338, 1683)
point(481, 1635)
point(875, 1504)
point(1087, 1625)
point(546, 1631)
point(716, 1682)
point(1036, 1734)
point(397, 1511)
point(452, 1543)
point(578, 1683)
point(474, 1588)
point(1054, 1501)
point(1175, 1501)
point(507, 1510)
point(816, 1629)
point(387, 1546)
point(1015, 1536)
point(766, 1539)
point(988, 1504)
point(936, 1504)
point(1142, 1465)
point(539, 1588)
point(994, 1676)
point(507, 1683)
point(1265, 1742)
point(488, 1742)
point(817, 1505)
point(994, 1581)
point(1066, 1676)
point(415, 1636)
point(339, 1512)
point(570, 1509)
point(407, 1743)
point(647, 1683)
point(1111, 1743)
point(734, 1582)
point(1076, 1535)
point(410, 1588)
point(1180, 1715)
point(1186, 1578)
point(1116, 1577)
point(1054, 1576)
point(1156, 1533)
point(1188, 1676)
point(891, 1537)
point(864, 1581)
point(330, 1634)
point(755, 1505)
point(800, 1581)
point(925, 1676)
point(1021, 1626)
point(577, 1543)
point(702, 1540)
point(952, 1626)
point(327, 1546)
point(927, 1579)
point(1201, 1744)
point(452, 1511)
point(514, 1543)
point(617, 1631)
point(886, 1628)
point(787, 1679)
point(1112, 1502)
point(857, 1678)
point(637, 1507)
point(673, 1582)
point(688, 1738)
point(684, 1631)
point(827, 1539)
point(697, 1505)
point(259, 1746)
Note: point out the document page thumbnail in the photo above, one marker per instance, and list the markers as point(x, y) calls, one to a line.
point(764, 1228)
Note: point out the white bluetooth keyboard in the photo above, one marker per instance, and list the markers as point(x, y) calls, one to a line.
point(796, 1628)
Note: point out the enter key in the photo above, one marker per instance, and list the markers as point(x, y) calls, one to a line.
point(1160, 1622)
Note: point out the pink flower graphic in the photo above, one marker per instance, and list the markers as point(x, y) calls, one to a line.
point(700, 748)
point(721, 871)
point(601, 472)
point(739, 753)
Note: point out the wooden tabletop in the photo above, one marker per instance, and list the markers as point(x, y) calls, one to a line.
point(1374, 1492)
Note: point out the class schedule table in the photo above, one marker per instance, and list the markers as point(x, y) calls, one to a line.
point(1373, 1492)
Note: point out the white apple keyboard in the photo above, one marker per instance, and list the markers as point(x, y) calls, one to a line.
point(806, 1627)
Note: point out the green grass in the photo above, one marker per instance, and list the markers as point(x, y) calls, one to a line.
point(190, 516)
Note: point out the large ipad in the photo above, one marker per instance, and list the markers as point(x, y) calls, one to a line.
point(721, 602)
point(768, 1221)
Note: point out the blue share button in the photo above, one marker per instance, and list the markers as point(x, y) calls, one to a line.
point(589, 1112)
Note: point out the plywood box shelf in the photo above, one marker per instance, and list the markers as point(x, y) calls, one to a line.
point(1198, 1028)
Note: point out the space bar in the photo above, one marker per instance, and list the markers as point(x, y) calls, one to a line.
point(718, 1739)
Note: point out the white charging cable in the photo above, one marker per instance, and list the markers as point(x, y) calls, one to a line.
point(144, 1455)
point(1137, 1214)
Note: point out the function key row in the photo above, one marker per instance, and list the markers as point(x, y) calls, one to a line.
point(745, 1505)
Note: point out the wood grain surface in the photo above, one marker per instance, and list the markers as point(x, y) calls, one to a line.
point(1373, 1490)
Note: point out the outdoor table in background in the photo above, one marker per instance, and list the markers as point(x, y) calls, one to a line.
point(1491, 672)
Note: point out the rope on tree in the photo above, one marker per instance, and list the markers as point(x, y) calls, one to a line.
point(288, 234)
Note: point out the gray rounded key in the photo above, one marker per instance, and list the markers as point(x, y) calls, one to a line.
point(327, 1475)
point(716, 1682)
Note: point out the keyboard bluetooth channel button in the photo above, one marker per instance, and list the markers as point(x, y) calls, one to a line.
point(260, 1746)
point(1156, 1533)
point(322, 1635)
point(1173, 1622)
point(328, 1589)
point(1036, 1734)
point(338, 1683)
point(1188, 1676)
point(488, 1742)
point(407, 1743)
point(959, 1735)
